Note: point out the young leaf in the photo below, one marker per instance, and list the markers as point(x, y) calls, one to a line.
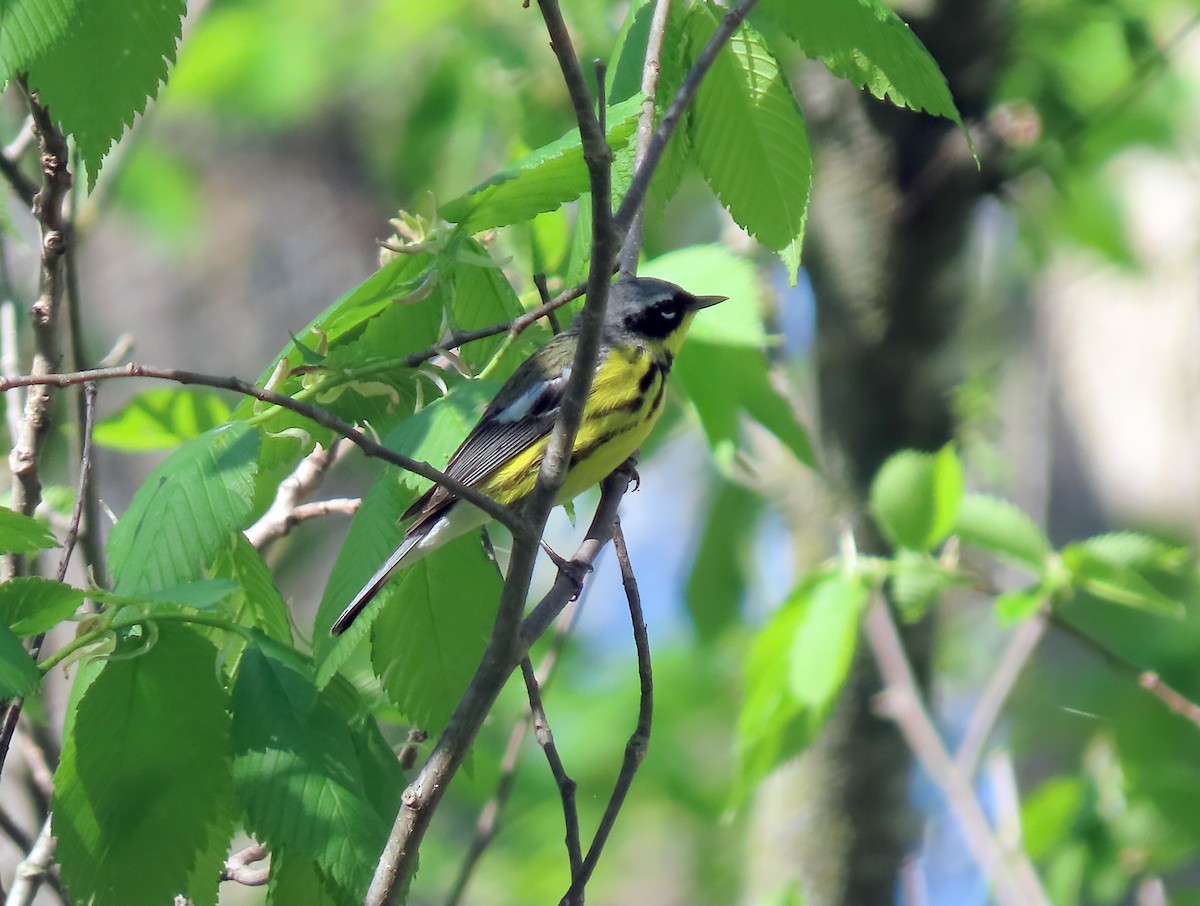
point(1000, 527)
point(298, 772)
point(794, 672)
point(915, 497)
point(865, 42)
point(162, 419)
point(185, 512)
point(19, 674)
point(429, 638)
point(21, 534)
point(146, 769)
point(1125, 568)
point(541, 181)
point(915, 580)
point(104, 69)
point(1019, 604)
point(31, 604)
point(259, 603)
point(750, 139)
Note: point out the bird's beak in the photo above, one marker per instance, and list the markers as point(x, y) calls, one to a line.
point(706, 301)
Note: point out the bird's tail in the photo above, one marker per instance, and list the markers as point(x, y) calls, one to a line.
point(367, 593)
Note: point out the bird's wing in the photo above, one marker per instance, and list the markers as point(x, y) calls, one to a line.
point(522, 413)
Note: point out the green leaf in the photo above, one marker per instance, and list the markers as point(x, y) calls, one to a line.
point(750, 139)
point(722, 565)
point(723, 382)
point(19, 674)
point(149, 752)
point(161, 419)
point(1000, 527)
point(865, 42)
point(32, 605)
point(481, 297)
point(714, 270)
point(432, 435)
point(794, 672)
point(541, 181)
point(1126, 568)
point(28, 27)
point(21, 534)
point(185, 512)
point(915, 497)
point(430, 635)
point(825, 638)
point(298, 881)
point(1019, 604)
point(915, 581)
point(300, 775)
point(1050, 812)
point(259, 603)
point(97, 76)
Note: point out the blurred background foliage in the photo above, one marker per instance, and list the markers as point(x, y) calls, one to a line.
point(254, 190)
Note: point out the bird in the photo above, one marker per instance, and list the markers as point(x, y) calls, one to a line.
point(645, 323)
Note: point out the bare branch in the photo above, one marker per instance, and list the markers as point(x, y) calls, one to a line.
point(632, 245)
point(317, 414)
point(33, 869)
point(1013, 880)
point(240, 866)
point(284, 512)
point(639, 741)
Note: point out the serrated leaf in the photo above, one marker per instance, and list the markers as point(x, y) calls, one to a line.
point(796, 667)
point(723, 382)
point(431, 435)
point(541, 181)
point(30, 604)
point(259, 603)
point(149, 750)
point(161, 419)
point(716, 270)
point(185, 512)
point(295, 881)
point(1000, 527)
point(298, 773)
point(750, 139)
point(481, 297)
point(430, 634)
point(28, 27)
point(722, 565)
point(865, 42)
point(21, 534)
point(98, 75)
point(1106, 575)
point(915, 581)
point(19, 674)
point(915, 497)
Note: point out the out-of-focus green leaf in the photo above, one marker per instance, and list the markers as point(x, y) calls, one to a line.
point(430, 634)
point(915, 497)
point(1019, 604)
point(541, 181)
point(21, 534)
point(185, 512)
point(150, 747)
point(1048, 814)
point(98, 75)
point(1000, 527)
point(794, 672)
point(1126, 568)
point(31, 604)
point(915, 581)
point(161, 419)
point(19, 674)
point(750, 139)
point(721, 565)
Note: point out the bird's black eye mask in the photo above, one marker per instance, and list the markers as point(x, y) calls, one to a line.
point(657, 321)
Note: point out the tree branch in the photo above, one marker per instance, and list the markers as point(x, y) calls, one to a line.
point(639, 741)
point(33, 869)
point(317, 414)
point(1012, 878)
point(282, 515)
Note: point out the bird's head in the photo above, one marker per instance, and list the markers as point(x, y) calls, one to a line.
point(653, 310)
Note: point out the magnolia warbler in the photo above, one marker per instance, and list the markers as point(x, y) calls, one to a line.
point(644, 326)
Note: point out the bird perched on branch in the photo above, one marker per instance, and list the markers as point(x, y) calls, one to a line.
point(644, 327)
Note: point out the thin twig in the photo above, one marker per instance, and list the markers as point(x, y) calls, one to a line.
point(1147, 679)
point(33, 869)
point(635, 198)
point(639, 741)
point(1013, 880)
point(632, 246)
point(241, 868)
point(487, 825)
point(987, 710)
point(566, 786)
point(281, 516)
point(317, 414)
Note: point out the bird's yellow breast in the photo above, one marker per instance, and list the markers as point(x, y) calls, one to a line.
point(625, 401)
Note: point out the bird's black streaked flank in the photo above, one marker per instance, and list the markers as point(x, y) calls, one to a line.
point(644, 326)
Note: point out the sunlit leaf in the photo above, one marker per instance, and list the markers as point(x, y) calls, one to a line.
point(915, 497)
